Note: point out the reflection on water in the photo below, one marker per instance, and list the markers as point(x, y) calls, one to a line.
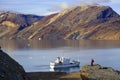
point(36, 55)
point(70, 69)
point(36, 44)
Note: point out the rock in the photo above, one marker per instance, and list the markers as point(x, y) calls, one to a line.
point(98, 72)
point(10, 69)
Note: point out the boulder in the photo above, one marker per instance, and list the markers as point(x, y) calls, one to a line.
point(97, 72)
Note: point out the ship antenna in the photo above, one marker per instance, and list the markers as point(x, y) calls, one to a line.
point(63, 54)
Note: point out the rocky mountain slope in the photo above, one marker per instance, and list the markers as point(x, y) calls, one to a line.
point(82, 22)
point(11, 23)
point(10, 69)
point(86, 22)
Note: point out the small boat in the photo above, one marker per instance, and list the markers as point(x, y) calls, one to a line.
point(62, 62)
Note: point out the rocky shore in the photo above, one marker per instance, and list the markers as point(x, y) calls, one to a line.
point(98, 72)
point(11, 70)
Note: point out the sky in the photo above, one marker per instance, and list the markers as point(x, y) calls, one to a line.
point(46, 7)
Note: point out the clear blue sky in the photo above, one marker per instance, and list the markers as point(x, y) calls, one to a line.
point(44, 7)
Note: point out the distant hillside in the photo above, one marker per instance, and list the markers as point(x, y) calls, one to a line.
point(11, 23)
point(85, 22)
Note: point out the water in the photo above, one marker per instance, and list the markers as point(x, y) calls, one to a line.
point(35, 56)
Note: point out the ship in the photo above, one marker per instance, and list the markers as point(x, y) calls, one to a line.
point(62, 62)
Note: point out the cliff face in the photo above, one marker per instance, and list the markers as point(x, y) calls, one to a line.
point(85, 22)
point(10, 69)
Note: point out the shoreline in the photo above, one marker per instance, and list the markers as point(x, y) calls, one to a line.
point(95, 72)
point(12, 70)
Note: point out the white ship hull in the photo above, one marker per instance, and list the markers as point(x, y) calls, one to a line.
point(54, 65)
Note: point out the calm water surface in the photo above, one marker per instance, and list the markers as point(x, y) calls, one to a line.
point(35, 56)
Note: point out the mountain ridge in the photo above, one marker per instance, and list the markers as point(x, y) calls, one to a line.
point(86, 22)
point(68, 21)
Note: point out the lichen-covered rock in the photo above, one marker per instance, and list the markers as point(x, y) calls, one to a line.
point(98, 72)
point(10, 69)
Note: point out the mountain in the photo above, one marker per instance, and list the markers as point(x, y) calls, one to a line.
point(11, 23)
point(82, 22)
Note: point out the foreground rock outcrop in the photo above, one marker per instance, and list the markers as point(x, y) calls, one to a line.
point(98, 72)
point(10, 69)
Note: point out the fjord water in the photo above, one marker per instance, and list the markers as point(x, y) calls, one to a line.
point(35, 55)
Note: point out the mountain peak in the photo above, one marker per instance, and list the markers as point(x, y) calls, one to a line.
point(98, 11)
point(87, 13)
point(83, 8)
point(95, 12)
